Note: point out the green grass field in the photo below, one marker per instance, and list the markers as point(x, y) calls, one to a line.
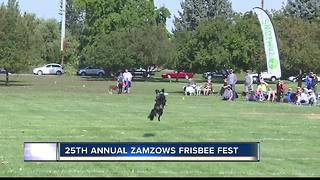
point(73, 109)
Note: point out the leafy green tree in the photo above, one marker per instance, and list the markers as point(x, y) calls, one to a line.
point(249, 40)
point(50, 32)
point(195, 11)
point(299, 46)
point(72, 49)
point(221, 43)
point(116, 17)
point(305, 9)
point(151, 46)
point(33, 42)
point(137, 47)
point(13, 42)
point(110, 51)
point(214, 44)
point(110, 15)
point(74, 18)
point(161, 15)
point(183, 58)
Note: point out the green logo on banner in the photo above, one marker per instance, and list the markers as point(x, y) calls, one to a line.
point(273, 63)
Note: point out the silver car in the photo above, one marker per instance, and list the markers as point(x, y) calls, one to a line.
point(90, 71)
point(49, 69)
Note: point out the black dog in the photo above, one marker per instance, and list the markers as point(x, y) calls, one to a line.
point(158, 106)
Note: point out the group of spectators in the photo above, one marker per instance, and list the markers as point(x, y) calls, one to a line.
point(307, 95)
point(206, 88)
point(265, 92)
point(302, 96)
point(227, 91)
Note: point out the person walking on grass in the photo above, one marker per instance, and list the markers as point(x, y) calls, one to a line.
point(128, 78)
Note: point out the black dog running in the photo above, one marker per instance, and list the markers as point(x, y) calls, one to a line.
point(158, 106)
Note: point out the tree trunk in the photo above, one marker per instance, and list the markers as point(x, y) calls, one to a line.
point(7, 78)
point(300, 78)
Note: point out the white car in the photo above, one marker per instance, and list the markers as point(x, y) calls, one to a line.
point(49, 69)
point(265, 76)
point(292, 78)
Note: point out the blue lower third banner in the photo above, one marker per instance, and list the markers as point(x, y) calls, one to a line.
point(159, 152)
point(142, 151)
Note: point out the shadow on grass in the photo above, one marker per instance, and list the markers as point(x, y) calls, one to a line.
point(135, 79)
point(159, 79)
point(149, 135)
point(93, 78)
point(14, 84)
point(3, 81)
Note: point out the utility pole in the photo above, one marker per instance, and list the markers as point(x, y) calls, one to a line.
point(259, 72)
point(63, 30)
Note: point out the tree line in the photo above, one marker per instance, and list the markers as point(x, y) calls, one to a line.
point(118, 34)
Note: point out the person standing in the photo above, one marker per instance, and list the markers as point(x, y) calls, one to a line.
point(309, 79)
point(120, 81)
point(280, 90)
point(315, 81)
point(128, 78)
point(248, 81)
point(232, 80)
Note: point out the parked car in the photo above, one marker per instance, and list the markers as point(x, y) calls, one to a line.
point(49, 69)
point(140, 72)
point(215, 74)
point(174, 74)
point(295, 78)
point(90, 71)
point(265, 76)
point(2, 71)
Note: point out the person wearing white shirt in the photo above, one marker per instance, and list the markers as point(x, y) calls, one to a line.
point(304, 97)
point(312, 97)
point(128, 77)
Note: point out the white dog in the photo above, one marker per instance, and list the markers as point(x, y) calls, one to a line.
point(199, 89)
point(191, 90)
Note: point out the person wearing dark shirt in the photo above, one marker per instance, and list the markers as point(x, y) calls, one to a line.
point(280, 90)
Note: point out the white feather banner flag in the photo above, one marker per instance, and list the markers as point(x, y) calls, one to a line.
point(270, 42)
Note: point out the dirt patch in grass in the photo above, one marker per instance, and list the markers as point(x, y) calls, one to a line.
point(312, 116)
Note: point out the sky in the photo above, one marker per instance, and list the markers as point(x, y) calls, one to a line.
point(50, 8)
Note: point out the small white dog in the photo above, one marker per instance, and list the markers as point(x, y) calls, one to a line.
point(199, 89)
point(191, 90)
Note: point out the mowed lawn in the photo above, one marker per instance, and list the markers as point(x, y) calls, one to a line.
point(74, 109)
